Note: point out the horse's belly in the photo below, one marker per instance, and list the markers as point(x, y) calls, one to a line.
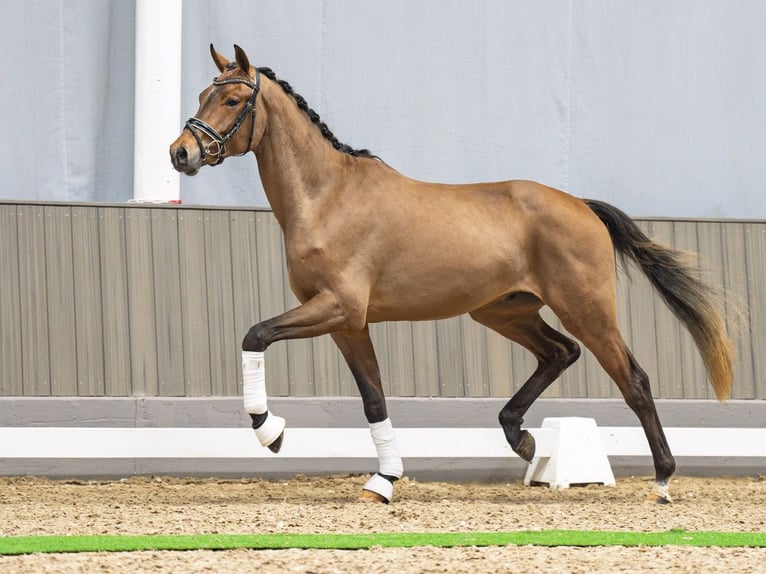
point(436, 300)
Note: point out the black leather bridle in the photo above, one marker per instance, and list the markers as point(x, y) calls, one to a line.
point(196, 125)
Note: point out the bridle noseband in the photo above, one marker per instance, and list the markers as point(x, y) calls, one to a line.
point(196, 125)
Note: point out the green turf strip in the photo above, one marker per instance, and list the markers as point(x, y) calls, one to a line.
point(129, 543)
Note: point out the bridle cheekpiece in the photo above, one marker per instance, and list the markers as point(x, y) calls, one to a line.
point(196, 125)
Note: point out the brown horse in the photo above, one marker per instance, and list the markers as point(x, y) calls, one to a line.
point(366, 244)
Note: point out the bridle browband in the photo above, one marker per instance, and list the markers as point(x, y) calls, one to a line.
point(196, 125)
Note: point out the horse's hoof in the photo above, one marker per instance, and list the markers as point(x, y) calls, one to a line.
point(370, 496)
point(660, 499)
point(526, 447)
point(277, 444)
point(661, 493)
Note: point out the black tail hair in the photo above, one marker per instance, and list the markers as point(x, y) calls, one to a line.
point(679, 285)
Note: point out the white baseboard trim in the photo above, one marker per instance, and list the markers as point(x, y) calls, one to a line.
point(345, 443)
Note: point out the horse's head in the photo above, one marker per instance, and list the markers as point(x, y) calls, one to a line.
point(226, 122)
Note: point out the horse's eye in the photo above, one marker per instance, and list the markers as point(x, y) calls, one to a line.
point(232, 102)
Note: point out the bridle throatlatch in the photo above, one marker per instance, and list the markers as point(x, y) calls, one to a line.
point(217, 146)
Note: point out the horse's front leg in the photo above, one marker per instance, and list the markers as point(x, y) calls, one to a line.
point(359, 353)
point(321, 314)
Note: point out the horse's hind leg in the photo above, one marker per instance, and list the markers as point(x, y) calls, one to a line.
point(359, 353)
point(599, 332)
point(633, 383)
point(518, 319)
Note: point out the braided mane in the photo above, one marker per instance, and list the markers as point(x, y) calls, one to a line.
point(314, 117)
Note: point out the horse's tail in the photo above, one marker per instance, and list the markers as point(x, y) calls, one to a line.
point(679, 285)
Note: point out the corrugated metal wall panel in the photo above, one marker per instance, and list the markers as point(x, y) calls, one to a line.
point(755, 251)
point(194, 316)
point(167, 303)
point(711, 263)
point(399, 359)
point(738, 309)
point(62, 343)
point(145, 301)
point(220, 300)
point(142, 312)
point(114, 312)
point(500, 366)
point(450, 358)
point(426, 367)
point(33, 301)
point(89, 330)
point(11, 377)
point(475, 352)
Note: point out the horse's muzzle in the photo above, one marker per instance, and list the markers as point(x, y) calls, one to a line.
point(185, 160)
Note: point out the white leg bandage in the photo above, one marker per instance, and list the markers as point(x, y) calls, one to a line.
point(388, 458)
point(254, 383)
point(388, 452)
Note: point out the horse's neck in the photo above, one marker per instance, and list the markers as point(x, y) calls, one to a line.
point(297, 165)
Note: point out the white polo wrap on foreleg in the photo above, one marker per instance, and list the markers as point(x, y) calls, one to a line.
point(388, 452)
point(388, 458)
point(256, 401)
point(254, 382)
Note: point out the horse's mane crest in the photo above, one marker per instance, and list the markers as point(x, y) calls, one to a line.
point(314, 117)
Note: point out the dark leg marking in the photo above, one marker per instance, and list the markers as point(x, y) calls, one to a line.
point(517, 319)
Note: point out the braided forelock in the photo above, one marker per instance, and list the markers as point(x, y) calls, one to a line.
point(314, 117)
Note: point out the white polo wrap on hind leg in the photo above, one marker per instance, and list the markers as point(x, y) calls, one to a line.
point(388, 458)
point(256, 401)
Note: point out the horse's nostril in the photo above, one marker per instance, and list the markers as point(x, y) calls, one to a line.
point(181, 155)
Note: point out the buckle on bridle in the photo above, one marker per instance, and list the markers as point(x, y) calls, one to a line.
point(217, 152)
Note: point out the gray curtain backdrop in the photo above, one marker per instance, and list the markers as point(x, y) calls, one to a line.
point(655, 106)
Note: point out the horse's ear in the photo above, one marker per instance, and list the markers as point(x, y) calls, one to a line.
point(242, 61)
point(220, 61)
